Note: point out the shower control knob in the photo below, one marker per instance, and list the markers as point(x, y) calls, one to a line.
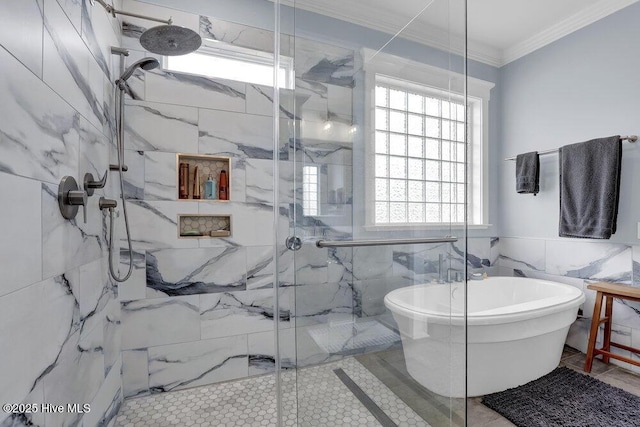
point(78, 198)
point(70, 197)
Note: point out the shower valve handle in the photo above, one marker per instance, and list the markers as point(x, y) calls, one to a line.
point(77, 198)
point(90, 184)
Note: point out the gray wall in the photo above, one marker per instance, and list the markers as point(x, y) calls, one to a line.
point(581, 87)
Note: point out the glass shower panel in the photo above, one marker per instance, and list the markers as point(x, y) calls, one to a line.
point(375, 130)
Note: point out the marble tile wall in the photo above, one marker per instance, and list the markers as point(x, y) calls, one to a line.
point(198, 311)
point(579, 263)
point(60, 313)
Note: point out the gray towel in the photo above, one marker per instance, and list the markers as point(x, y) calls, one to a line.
point(528, 173)
point(590, 188)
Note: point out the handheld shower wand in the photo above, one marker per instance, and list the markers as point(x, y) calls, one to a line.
point(121, 84)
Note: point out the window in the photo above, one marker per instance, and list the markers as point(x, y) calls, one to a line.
point(310, 190)
point(224, 61)
point(419, 156)
point(419, 148)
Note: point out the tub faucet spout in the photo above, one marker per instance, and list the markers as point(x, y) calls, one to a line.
point(441, 269)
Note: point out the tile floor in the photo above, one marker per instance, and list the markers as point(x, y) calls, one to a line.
point(323, 400)
point(319, 398)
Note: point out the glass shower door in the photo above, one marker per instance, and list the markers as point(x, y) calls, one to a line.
point(373, 270)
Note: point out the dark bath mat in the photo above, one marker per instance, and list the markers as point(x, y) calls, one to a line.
point(566, 398)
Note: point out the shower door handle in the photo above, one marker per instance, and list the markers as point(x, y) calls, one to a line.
point(383, 242)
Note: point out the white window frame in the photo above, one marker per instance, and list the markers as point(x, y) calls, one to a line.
point(251, 56)
point(438, 82)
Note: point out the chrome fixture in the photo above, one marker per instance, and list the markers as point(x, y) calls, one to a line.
point(440, 269)
point(459, 274)
point(166, 39)
point(293, 243)
point(385, 242)
point(90, 184)
point(105, 203)
point(113, 11)
point(70, 197)
point(630, 138)
point(145, 64)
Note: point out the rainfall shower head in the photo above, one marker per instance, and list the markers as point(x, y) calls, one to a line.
point(146, 64)
point(170, 40)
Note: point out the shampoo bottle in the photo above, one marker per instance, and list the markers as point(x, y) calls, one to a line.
point(223, 191)
point(210, 188)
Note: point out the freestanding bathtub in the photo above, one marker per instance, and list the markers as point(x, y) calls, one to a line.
point(516, 329)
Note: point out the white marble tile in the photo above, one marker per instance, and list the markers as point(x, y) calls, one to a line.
point(20, 224)
point(174, 367)
point(369, 299)
point(160, 176)
point(416, 262)
point(134, 178)
point(46, 311)
point(235, 134)
point(151, 126)
point(107, 401)
point(39, 136)
point(372, 262)
point(21, 27)
point(93, 284)
point(160, 321)
point(523, 254)
point(259, 181)
point(176, 272)
point(135, 372)
point(76, 375)
point(67, 244)
point(494, 251)
point(112, 342)
point(323, 303)
point(251, 223)
point(311, 265)
point(194, 91)
point(236, 313)
point(93, 152)
point(99, 34)
point(66, 65)
point(236, 34)
point(154, 224)
point(316, 146)
point(340, 103)
point(73, 10)
point(262, 355)
point(260, 101)
point(589, 260)
point(238, 180)
point(324, 63)
point(135, 287)
point(260, 267)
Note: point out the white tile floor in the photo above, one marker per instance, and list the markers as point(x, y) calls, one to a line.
point(323, 400)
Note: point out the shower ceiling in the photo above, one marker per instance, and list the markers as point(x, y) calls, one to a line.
point(500, 31)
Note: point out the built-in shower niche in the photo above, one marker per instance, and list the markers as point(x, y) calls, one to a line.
point(206, 165)
point(196, 226)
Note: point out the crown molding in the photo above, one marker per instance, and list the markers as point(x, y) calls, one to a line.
point(443, 40)
point(390, 24)
point(565, 27)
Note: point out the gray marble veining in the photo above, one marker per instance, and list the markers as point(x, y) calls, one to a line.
point(196, 271)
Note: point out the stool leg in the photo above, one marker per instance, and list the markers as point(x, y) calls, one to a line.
point(608, 312)
point(593, 334)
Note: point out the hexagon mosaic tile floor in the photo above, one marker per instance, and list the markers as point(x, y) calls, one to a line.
point(323, 401)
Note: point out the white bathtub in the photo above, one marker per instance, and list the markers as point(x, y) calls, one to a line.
point(516, 329)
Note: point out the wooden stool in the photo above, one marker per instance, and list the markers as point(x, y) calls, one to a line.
point(608, 291)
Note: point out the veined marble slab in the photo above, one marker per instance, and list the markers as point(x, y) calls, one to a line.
point(160, 321)
point(175, 367)
point(590, 260)
point(39, 131)
point(197, 271)
point(21, 29)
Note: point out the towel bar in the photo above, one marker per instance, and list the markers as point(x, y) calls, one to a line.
point(630, 138)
